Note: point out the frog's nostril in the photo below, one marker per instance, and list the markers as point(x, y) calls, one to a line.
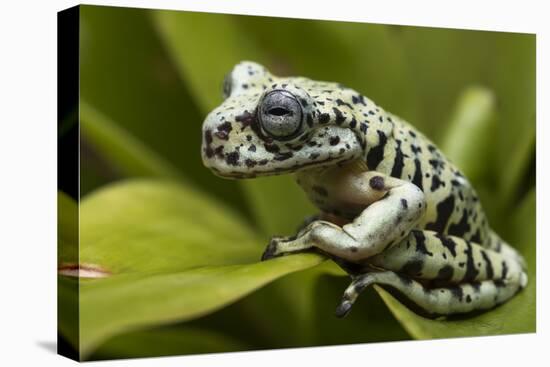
point(221, 135)
point(278, 111)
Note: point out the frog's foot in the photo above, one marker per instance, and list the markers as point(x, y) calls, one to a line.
point(277, 246)
point(358, 284)
point(271, 249)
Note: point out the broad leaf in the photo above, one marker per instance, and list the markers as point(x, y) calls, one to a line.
point(169, 252)
point(158, 298)
point(127, 76)
point(366, 57)
point(468, 139)
point(166, 341)
point(202, 62)
point(127, 155)
point(445, 61)
point(67, 228)
point(513, 79)
point(147, 225)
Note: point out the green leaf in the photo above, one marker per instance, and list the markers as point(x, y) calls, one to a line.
point(523, 227)
point(521, 154)
point(128, 76)
point(164, 226)
point(279, 205)
point(203, 61)
point(370, 320)
point(166, 341)
point(68, 321)
point(169, 252)
point(158, 298)
point(261, 319)
point(518, 315)
point(126, 154)
point(366, 57)
point(468, 139)
point(67, 229)
point(442, 63)
point(513, 78)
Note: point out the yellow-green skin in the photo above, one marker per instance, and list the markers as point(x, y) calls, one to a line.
point(393, 210)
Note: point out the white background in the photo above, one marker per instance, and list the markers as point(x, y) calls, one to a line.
point(28, 182)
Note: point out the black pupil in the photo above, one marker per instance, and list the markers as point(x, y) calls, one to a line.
point(278, 111)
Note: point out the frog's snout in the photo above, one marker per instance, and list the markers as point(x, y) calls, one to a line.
point(225, 149)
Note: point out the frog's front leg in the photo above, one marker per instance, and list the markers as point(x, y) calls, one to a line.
point(382, 223)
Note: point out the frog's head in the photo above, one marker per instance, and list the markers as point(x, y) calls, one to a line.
point(269, 125)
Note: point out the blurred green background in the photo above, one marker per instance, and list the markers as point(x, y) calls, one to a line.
point(182, 246)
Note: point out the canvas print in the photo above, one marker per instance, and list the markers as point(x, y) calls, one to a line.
point(236, 183)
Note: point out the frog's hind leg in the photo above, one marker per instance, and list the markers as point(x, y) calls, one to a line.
point(449, 300)
point(444, 259)
point(442, 274)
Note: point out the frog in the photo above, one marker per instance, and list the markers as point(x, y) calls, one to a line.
point(393, 210)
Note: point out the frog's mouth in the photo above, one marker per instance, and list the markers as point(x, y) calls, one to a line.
point(249, 159)
point(234, 174)
point(273, 171)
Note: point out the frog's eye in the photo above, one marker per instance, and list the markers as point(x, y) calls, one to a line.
point(280, 114)
point(227, 85)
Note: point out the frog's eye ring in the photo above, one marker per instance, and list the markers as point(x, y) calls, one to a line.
point(227, 86)
point(280, 115)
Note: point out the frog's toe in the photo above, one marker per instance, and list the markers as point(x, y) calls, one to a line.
point(270, 251)
point(343, 308)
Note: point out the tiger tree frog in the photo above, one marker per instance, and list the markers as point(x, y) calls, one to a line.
point(393, 210)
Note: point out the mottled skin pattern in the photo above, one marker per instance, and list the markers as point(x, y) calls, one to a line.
point(393, 210)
